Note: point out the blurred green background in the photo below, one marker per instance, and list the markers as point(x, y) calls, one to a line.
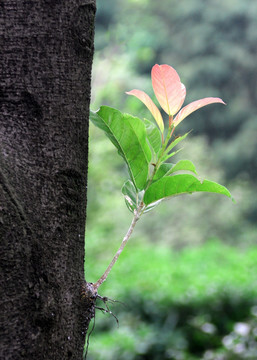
point(188, 276)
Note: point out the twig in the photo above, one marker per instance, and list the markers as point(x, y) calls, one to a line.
point(136, 217)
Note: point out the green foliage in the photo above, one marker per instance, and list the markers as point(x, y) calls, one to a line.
point(213, 44)
point(195, 286)
point(175, 185)
point(167, 153)
point(128, 134)
point(132, 197)
point(189, 275)
point(185, 165)
point(139, 142)
point(183, 305)
point(153, 136)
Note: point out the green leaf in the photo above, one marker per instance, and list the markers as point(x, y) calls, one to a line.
point(128, 134)
point(131, 196)
point(168, 168)
point(153, 136)
point(183, 165)
point(152, 206)
point(169, 186)
point(170, 155)
point(163, 170)
point(166, 154)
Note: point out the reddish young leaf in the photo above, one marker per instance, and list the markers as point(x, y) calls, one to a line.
point(168, 88)
point(193, 106)
point(141, 95)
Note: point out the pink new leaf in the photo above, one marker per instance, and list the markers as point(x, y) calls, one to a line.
point(168, 89)
point(141, 95)
point(193, 106)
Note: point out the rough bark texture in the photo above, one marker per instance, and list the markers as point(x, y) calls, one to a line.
point(46, 58)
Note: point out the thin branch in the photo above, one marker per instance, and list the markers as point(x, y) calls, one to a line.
point(136, 217)
point(138, 212)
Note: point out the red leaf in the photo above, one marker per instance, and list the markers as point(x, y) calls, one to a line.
point(168, 88)
point(193, 106)
point(141, 95)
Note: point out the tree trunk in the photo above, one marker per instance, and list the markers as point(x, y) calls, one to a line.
point(47, 50)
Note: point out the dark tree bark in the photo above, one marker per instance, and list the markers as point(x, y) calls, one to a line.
point(46, 58)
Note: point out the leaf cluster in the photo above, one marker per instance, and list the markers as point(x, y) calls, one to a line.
point(152, 178)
